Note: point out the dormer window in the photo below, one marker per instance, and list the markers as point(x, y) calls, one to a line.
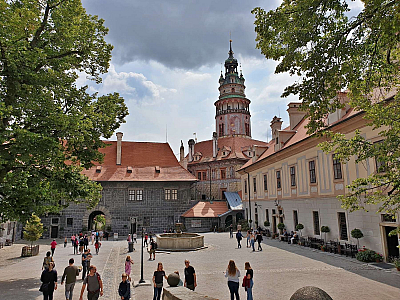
point(98, 169)
point(158, 170)
point(129, 169)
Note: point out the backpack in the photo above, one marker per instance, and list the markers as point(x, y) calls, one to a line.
point(155, 245)
point(98, 280)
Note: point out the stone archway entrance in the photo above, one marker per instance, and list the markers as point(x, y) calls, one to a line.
point(91, 221)
point(89, 215)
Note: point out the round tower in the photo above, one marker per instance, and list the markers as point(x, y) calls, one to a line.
point(232, 117)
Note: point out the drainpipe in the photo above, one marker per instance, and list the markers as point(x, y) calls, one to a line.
point(248, 186)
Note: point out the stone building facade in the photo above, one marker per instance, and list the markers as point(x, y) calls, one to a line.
point(143, 185)
point(294, 181)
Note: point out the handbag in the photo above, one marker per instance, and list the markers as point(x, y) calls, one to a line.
point(44, 287)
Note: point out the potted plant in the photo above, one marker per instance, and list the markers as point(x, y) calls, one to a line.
point(396, 262)
point(281, 226)
point(300, 227)
point(323, 248)
point(378, 257)
point(325, 229)
point(357, 234)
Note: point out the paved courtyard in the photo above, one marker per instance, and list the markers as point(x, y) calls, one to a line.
point(279, 270)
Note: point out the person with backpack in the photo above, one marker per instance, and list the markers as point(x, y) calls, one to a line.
point(94, 285)
point(239, 237)
point(153, 247)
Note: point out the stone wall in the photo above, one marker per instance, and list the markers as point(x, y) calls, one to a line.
point(182, 293)
point(206, 224)
point(154, 212)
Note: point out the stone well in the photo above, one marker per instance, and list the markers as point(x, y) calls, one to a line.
point(180, 241)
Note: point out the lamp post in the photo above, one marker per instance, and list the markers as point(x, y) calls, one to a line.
point(141, 260)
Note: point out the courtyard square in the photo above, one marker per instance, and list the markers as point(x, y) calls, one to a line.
point(279, 270)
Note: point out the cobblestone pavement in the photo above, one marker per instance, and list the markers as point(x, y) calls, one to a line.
point(279, 270)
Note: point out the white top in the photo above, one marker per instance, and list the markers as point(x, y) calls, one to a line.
point(234, 278)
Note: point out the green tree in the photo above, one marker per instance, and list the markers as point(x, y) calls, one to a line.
point(331, 48)
point(50, 129)
point(33, 229)
point(100, 221)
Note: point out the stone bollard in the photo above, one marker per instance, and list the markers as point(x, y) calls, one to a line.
point(173, 279)
point(310, 293)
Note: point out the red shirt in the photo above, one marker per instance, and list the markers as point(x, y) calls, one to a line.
point(53, 244)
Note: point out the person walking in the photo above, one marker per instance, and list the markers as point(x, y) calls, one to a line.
point(128, 267)
point(49, 282)
point(239, 237)
point(73, 240)
point(81, 245)
point(124, 289)
point(153, 247)
point(65, 242)
point(190, 276)
point(94, 285)
point(97, 246)
point(47, 260)
point(158, 277)
point(86, 241)
point(231, 231)
point(93, 236)
point(249, 281)
point(53, 245)
point(76, 244)
point(248, 235)
point(252, 240)
point(233, 274)
point(259, 239)
point(70, 274)
point(86, 256)
point(145, 239)
point(135, 237)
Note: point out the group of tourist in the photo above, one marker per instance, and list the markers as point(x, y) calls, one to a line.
point(252, 237)
point(233, 274)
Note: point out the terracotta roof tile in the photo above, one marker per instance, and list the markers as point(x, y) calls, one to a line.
point(143, 158)
point(207, 210)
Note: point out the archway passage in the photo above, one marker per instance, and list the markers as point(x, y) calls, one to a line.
point(228, 221)
point(92, 216)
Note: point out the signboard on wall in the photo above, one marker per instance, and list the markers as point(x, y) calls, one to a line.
point(196, 223)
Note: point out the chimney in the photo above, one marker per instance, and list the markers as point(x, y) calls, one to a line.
point(295, 114)
point(215, 144)
point(119, 144)
point(276, 125)
point(191, 143)
point(182, 153)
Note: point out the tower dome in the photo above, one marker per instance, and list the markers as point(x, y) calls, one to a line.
point(232, 116)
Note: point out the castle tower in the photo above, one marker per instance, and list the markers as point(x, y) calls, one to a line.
point(232, 116)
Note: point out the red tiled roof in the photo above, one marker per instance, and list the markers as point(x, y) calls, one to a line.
point(237, 145)
point(143, 157)
point(207, 210)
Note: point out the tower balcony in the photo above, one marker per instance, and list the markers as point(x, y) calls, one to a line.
point(232, 110)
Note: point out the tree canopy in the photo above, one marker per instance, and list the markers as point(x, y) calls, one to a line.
point(49, 127)
point(332, 48)
point(33, 229)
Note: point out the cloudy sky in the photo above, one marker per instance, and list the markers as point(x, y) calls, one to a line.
point(166, 64)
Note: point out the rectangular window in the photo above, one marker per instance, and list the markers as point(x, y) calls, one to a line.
point(316, 223)
point(388, 218)
point(278, 179)
point(70, 222)
point(139, 195)
point(245, 186)
point(204, 175)
point(174, 194)
point(223, 173)
point(267, 215)
point(167, 194)
point(311, 168)
point(131, 195)
point(295, 219)
point(337, 167)
point(292, 176)
point(54, 221)
point(265, 183)
point(199, 175)
point(342, 226)
point(254, 184)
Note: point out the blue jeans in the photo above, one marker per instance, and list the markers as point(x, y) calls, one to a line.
point(157, 293)
point(250, 291)
point(234, 289)
point(252, 244)
point(69, 289)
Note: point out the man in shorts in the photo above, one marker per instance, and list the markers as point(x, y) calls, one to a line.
point(190, 276)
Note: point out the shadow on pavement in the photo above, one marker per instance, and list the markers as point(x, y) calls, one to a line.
point(20, 289)
point(340, 261)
